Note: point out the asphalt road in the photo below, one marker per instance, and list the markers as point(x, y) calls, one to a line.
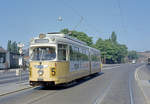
point(112, 86)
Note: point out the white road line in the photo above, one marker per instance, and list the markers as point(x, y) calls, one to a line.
point(110, 68)
point(99, 98)
point(130, 90)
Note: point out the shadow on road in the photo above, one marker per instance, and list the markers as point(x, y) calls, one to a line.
point(70, 85)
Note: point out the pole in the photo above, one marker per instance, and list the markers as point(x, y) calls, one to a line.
point(20, 45)
point(20, 71)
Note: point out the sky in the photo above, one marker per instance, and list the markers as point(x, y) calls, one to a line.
point(20, 20)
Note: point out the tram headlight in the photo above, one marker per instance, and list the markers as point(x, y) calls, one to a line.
point(40, 72)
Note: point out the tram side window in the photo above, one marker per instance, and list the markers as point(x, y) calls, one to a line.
point(85, 55)
point(95, 56)
point(71, 53)
point(62, 49)
point(74, 53)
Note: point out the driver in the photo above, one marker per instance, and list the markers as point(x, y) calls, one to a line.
point(50, 54)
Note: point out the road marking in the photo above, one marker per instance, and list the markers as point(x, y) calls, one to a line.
point(140, 86)
point(107, 68)
point(99, 98)
point(130, 90)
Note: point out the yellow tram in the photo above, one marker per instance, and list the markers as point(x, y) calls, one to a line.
point(56, 58)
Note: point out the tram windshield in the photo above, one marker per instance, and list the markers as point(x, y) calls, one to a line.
point(43, 53)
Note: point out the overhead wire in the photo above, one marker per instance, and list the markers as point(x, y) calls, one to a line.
point(121, 15)
point(82, 18)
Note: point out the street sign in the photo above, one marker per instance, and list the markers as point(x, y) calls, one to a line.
point(20, 50)
point(20, 61)
point(17, 72)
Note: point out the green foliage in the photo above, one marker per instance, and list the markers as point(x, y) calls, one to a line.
point(132, 55)
point(111, 51)
point(65, 31)
point(79, 35)
point(12, 46)
point(114, 37)
point(9, 46)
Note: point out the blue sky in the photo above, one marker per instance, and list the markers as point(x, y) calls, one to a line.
point(130, 19)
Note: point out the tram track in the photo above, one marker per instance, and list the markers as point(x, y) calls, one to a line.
point(41, 97)
point(19, 90)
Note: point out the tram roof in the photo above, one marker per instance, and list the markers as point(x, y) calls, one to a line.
point(62, 35)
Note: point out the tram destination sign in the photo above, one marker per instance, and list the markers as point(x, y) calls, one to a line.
point(41, 41)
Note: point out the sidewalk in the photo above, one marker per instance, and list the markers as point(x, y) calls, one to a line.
point(10, 70)
point(142, 75)
point(13, 87)
point(7, 70)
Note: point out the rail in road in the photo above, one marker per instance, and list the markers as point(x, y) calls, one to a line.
point(116, 86)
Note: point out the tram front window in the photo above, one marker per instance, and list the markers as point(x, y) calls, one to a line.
point(43, 53)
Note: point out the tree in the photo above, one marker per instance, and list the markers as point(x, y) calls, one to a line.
point(65, 31)
point(111, 51)
point(132, 55)
point(12, 46)
point(79, 35)
point(9, 46)
point(114, 37)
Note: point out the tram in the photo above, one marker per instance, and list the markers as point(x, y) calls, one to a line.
point(56, 58)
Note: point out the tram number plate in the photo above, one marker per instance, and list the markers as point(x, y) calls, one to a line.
point(40, 79)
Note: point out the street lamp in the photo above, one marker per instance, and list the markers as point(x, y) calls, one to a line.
point(60, 18)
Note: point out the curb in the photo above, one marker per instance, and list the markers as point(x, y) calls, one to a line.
point(139, 84)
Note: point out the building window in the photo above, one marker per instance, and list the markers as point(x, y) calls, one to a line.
point(2, 57)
